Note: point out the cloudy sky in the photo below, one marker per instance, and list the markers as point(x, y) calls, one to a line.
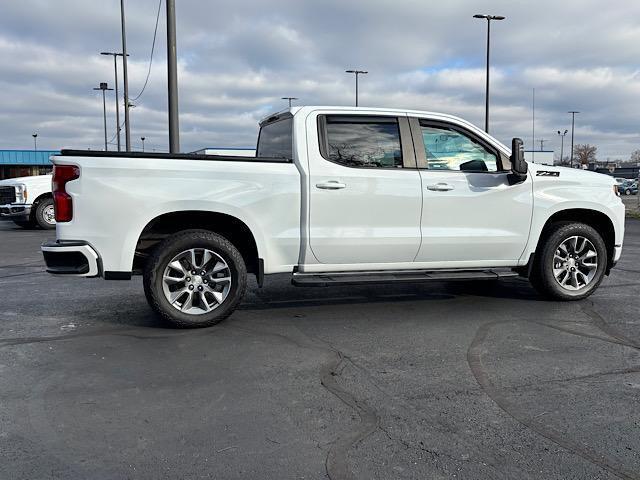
point(237, 58)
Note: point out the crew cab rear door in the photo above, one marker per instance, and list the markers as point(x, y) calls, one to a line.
point(472, 215)
point(365, 194)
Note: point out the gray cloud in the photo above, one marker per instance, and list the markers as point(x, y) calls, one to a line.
point(238, 58)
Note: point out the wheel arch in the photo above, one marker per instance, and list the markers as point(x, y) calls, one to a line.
point(230, 227)
point(36, 202)
point(596, 219)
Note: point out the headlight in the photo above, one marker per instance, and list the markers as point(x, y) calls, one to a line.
point(21, 193)
point(616, 190)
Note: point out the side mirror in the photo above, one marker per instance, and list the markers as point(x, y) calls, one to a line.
point(518, 164)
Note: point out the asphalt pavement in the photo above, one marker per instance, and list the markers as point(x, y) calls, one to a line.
point(443, 380)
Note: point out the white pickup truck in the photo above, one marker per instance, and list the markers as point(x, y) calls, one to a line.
point(334, 196)
point(28, 201)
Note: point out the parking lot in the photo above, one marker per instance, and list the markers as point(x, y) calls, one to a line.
point(441, 380)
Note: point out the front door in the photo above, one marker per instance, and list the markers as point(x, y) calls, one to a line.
point(472, 215)
point(364, 199)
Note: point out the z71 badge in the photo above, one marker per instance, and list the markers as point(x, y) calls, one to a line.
point(547, 173)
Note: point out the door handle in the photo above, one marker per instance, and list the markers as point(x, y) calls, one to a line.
point(440, 187)
point(331, 185)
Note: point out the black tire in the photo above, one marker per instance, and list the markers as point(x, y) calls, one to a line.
point(171, 247)
point(24, 223)
point(43, 214)
point(542, 277)
point(627, 192)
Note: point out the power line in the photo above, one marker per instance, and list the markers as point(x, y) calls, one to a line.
point(110, 142)
point(153, 46)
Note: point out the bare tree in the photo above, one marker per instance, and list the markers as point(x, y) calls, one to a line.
point(635, 157)
point(585, 153)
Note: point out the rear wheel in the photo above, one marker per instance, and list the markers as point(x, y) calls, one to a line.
point(195, 278)
point(45, 214)
point(570, 263)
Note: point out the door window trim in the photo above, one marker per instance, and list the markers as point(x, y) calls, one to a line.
point(421, 153)
point(409, 161)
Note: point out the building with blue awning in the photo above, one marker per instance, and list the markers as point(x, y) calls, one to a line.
point(23, 163)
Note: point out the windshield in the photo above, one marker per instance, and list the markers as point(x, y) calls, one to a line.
point(276, 139)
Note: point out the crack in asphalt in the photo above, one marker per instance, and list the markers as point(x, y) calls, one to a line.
point(22, 274)
point(336, 463)
point(620, 371)
point(600, 323)
point(611, 463)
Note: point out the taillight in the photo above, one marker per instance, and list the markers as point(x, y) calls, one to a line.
point(62, 201)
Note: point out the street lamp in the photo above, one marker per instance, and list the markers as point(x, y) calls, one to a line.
point(356, 73)
point(104, 87)
point(289, 98)
point(486, 108)
point(573, 125)
point(562, 134)
point(115, 68)
point(143, 139)
point(35, 142)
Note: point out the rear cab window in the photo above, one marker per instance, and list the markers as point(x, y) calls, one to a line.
point(275, 139)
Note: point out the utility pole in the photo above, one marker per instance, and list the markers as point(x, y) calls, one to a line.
point(104, 87)
point(542, 140)
point(115, 69)
point(172, 74)
point(143, 139)
point(562, 134)
point(125, 75)
point(356, 73)
point(573, 124)
point(35, 142)
point(488, 18)
point(289, 98)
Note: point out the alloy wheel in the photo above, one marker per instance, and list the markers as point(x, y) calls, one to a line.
point(196, 281)
point(575, 263)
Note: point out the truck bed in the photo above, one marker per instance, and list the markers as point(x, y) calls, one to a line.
point(172, 156)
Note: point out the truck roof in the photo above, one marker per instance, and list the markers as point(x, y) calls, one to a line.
point(309, 108)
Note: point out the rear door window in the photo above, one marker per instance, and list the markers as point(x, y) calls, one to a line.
point(366, 142)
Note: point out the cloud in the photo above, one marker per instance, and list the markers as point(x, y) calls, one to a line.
point(236, 59)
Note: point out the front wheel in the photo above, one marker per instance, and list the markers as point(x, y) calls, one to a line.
point(45, 215)
point(195, 278)
point(627, 192)
point(570, 262)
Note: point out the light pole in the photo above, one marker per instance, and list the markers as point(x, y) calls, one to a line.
point(172, 76)
point(115, 69)
point(356, 73)
point(143, 139)
point(562, 134)
point(486, 108)
point(542, 140)
point(289, 98)
point(35, 142)
point(125, 79)
point(104, 87)
point(573, 124)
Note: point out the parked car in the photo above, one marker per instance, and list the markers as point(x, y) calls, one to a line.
point(334, 196)
point(628, 187)
point(28, 201)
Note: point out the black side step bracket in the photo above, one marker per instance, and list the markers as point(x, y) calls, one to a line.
point(396, 276)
